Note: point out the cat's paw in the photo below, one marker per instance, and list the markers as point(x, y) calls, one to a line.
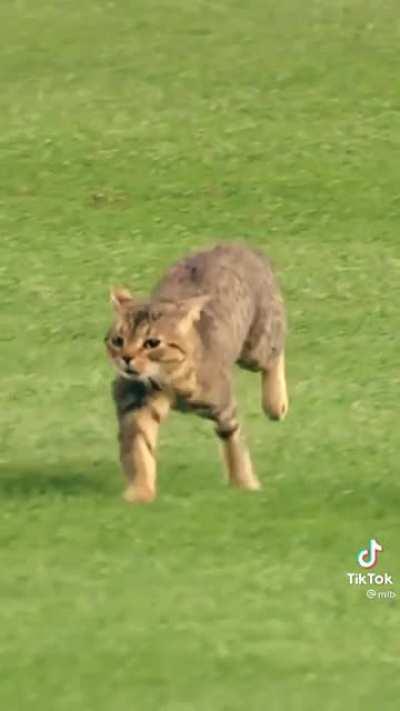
point(252, 485)
point(276, 409)
point(246, 481)
point(138, 495)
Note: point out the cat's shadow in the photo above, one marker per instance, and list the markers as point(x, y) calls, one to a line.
point(64, 479)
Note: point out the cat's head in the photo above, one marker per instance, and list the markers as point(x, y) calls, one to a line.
point(152, 340)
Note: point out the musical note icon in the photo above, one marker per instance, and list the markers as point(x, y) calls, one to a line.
point(368, 557)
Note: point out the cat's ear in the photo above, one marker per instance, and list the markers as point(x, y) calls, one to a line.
point(191, 310)
point(121, 299)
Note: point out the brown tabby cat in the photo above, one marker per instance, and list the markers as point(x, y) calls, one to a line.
point(176, 350)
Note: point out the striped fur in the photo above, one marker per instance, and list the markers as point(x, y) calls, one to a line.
point(176, 349)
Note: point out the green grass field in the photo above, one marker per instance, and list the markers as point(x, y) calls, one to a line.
point(132, 132)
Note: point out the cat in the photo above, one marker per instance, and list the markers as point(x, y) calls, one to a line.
point(177, 348)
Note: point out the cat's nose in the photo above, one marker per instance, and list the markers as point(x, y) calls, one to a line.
point(129, 367)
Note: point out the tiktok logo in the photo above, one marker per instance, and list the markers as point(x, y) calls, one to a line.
point(368, 557)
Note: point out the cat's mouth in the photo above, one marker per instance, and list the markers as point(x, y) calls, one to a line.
point(151, 379)
point(131, 371)
point(131, 374)
point(135, 376)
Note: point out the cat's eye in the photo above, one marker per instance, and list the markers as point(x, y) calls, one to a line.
point(151, 343)
point(117, 341)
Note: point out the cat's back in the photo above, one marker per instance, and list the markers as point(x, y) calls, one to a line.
point(244, 295)
point(225, 272)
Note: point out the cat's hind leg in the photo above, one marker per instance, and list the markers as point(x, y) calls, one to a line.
point(274, 388)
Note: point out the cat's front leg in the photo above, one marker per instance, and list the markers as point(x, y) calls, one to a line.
point(235, 451)
point(138, 434)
